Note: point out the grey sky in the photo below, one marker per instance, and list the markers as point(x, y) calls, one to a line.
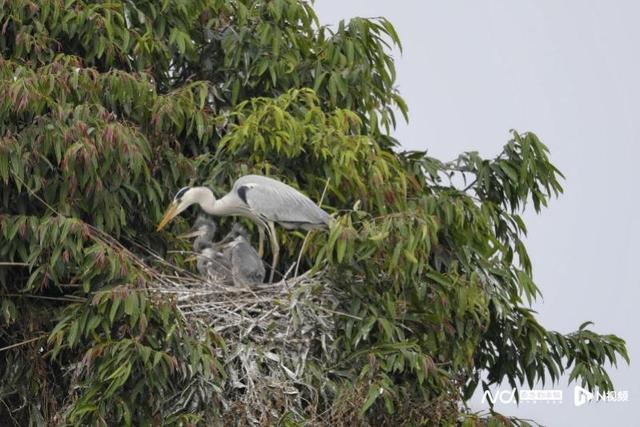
point(569, 71)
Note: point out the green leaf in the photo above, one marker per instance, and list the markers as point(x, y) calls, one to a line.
point(372, 395)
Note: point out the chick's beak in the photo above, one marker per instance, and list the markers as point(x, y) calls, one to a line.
point(168, 216)
point(190, 234)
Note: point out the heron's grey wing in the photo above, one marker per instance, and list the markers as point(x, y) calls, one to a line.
point(244, 254)
point(278, 202)
point(246, 264)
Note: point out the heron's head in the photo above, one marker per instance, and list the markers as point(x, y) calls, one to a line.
point(184, 198)
point(202, 227)
point(205, 225)
point(238, 230)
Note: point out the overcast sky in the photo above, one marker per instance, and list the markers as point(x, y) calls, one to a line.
point(570, 72)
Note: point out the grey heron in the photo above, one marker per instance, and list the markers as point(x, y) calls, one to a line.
point(211, 262)
point(263, 200)
point(247, 268)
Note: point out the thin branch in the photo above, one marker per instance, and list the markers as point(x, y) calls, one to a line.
point(18, 344)
point(68, 298)
point(468, 187)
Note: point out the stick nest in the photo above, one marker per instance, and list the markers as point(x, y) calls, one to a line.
point(279, 342)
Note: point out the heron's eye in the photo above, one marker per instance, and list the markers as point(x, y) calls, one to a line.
point(180, 193)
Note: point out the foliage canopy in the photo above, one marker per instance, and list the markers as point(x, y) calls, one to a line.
point(108, 107)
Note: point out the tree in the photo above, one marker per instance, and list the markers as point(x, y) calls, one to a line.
point(109, 107)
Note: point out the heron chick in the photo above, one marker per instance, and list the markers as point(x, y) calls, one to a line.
point(247, 268)
point(211, 262)
point(263, 200)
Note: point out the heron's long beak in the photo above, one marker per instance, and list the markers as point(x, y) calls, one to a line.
point(168, 215)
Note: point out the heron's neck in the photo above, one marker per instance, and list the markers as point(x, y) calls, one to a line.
point(207, 201)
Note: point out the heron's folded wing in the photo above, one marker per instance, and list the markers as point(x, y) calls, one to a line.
point(246, 258)
point(278, 202)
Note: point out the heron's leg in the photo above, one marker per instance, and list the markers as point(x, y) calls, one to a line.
point(261, 242)
point(275, 249)
point(304, 243)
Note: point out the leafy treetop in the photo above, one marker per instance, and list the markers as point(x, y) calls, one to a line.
point(109, 107)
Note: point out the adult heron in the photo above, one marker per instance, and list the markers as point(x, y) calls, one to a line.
point(263, 200)
point(247, 268)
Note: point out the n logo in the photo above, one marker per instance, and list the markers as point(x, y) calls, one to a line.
point(581, 396)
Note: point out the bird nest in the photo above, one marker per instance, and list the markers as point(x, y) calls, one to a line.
point(278, 337)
